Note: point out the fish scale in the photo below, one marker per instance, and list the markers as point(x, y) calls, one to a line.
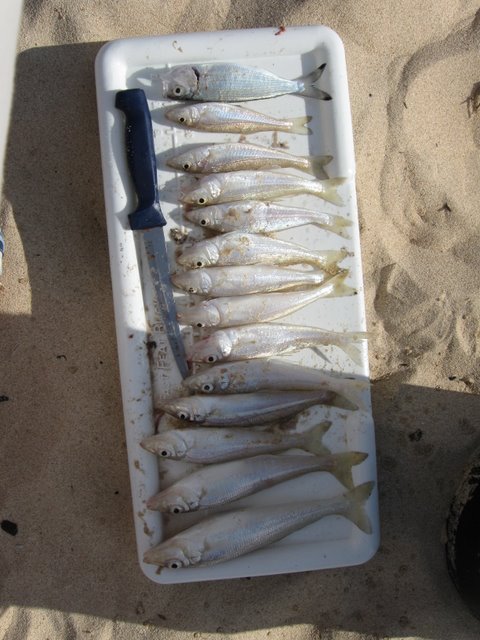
point(218, 80)
point(245, 279)
point(234, 83)
point(244, 409)
point(264, 217)
point(209, 445)
point(259, 185)
point(262, 340)
point(253, 375)
point(218, 117)
point(235, 156)
point(216, 485)
point(239, 248)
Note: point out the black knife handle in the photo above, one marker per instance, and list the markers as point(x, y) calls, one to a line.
point(141, 158)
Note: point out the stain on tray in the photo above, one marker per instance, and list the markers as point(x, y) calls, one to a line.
point(136, 464)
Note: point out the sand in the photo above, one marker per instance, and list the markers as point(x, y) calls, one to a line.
point(71, 571)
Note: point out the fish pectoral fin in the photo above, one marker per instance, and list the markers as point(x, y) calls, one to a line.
point(320, 353)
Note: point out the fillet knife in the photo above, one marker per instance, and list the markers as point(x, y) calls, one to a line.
point(148, 218)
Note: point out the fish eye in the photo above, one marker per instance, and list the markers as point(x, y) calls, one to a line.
point(207, 387)
point(178, 90)
point(181, 119)
point(204, 222)
point(173, 564)
point(201, 201)
point(211, 358)
point(200, 325)
point(186, 166)
point(176, 510)
point(164, 453)
point(199, 263)
point(183, 415)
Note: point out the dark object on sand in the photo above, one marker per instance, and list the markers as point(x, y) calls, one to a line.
point(9, 527)
point(463, 537)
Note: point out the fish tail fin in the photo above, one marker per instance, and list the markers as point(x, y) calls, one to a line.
point(355, 393)
point(308, 82)
point(342, 402)
point(356, 511)
point(329, 191)
point(353, 353)
point(316, 165)
point(340, 289)
point(343, 463)
point(339, 225)
point(299, 125)
point(314, 436)
point(355, 336)
point(350, 349)
point(330, 258)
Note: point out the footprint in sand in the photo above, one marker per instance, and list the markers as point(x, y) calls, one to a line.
point(430, 170)
point(409, 315)
point(473, 109)
point(432, 197)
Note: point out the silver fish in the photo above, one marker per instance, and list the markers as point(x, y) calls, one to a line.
point(220, 484)
point(264, 217)
point(237, 310)
point(259, 185)
point(228, 82)
point(245, 279)
point(239, 248)
point(248, 409)
point(268, 374)
point(218, 117)
point(237, 156)
point(231, 534)
point(210, 445)
point(269, 339)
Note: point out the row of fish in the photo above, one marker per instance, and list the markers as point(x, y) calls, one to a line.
point(243, 406)
point(239, 462)
point(225, 536)
point(236, 310)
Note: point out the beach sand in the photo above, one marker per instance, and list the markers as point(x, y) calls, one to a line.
point(71, 571)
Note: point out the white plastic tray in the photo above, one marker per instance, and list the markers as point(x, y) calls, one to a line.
point(136, 62)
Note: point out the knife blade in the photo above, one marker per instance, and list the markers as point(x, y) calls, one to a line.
point(148, 218)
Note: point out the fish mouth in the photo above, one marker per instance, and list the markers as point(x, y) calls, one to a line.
point(187, 198)
point(170, 162)
point(169, 408)
point(183, 260)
